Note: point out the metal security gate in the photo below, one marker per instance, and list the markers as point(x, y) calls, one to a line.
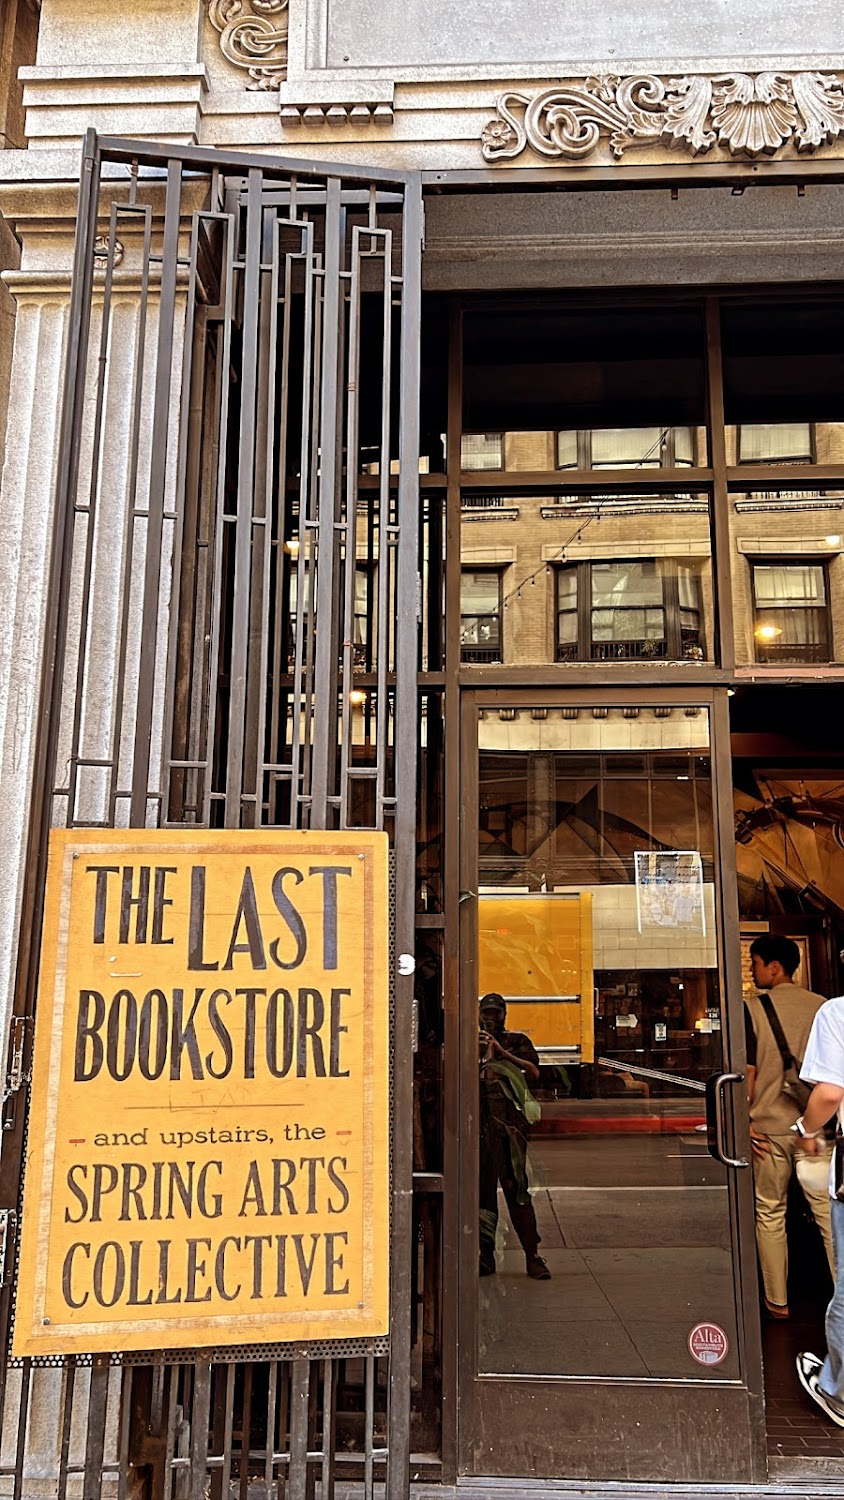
point(231, 642)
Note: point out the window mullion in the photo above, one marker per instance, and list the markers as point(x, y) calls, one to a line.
point(584, 611)
point(671, 605)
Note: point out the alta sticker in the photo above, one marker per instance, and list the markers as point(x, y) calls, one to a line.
point(708, 1344)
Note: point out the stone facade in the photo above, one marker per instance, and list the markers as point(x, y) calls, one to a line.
point(18, 39)
point(729, 90)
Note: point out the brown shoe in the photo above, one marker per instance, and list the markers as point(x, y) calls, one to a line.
point(536, 1267)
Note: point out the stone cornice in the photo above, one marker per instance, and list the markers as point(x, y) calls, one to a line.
point(744, 114)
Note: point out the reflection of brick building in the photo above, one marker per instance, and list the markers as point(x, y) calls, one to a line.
point(644, 563)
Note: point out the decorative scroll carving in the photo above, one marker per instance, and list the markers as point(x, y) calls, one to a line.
point(745, 114)
point(253, 35)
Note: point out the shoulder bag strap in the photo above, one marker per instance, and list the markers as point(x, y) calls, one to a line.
point(779, 1035)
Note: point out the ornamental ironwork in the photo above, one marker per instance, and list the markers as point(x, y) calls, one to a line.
point(253, 35)
point(746, 114)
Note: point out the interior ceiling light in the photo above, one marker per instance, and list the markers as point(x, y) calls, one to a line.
point(292, 546)
point(357, 696)
point(767, 632)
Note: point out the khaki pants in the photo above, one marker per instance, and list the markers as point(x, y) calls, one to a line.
point(772, 1174)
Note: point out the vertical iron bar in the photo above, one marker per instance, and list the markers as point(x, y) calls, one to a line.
point(218, 509)
point(257, 688)
point(170, 1440)
point(369, 1426)
point(186, 419)
point(227, 1437)
point(124, 1432)
point(200, 1415)
point(329, 1418)
point(131, 503)
point(313, 529)
point(349, 533)
point(299, 1399)
point(405, 753)
point(95, 1438)
point(272, 1407)
point(183, 707)
point(68, 1383)
point(23, 1415)
point(385, 533)
point(279, 626)
point(303, 649)
point(157, 492)
point(324, 748)
point(245, 503)
point(245, 1432)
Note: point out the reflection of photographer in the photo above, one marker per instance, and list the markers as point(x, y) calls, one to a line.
point(509, 1065)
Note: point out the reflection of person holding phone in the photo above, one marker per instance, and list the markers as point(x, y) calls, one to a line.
point(509, 1066)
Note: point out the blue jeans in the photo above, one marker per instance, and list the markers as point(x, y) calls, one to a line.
point(831, 1379)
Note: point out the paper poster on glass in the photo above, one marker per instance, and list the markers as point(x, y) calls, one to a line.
point(669, 890)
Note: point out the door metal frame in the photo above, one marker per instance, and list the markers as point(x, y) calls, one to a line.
point(640, 1395)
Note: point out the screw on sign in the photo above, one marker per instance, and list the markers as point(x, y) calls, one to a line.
point(708, 1344)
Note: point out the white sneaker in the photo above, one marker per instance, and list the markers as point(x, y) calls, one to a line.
point(808, 1373)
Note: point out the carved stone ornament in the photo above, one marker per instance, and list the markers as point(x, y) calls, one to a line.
point(743, 113)
point(253, 35)
point(101, 249)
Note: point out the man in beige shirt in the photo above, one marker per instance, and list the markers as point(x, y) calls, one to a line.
point(774, 962)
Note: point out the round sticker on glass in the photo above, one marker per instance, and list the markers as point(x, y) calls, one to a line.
point(708, 1344)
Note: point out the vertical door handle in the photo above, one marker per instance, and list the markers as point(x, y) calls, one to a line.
point(715, 1086)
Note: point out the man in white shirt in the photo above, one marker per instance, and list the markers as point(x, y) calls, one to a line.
point(823, 1066)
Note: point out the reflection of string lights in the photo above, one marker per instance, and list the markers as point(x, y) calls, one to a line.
point(545, 567)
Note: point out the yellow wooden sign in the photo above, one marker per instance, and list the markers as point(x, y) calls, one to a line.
point(536, 951)
point(208, 1158)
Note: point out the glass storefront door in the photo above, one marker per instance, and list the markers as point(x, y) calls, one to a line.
point(606, 1255)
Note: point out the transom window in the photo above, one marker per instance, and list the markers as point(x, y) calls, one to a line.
point(647, 608)
point(791, 613)
point(625, 448)
point(776, 442)
point(482, 451)
point(480, 615)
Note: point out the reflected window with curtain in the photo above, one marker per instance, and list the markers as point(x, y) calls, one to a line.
point(625, 448)
point(791, 614)
point(776, 442)
point(482, 451)
point(480, 615)
point(646, 608)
